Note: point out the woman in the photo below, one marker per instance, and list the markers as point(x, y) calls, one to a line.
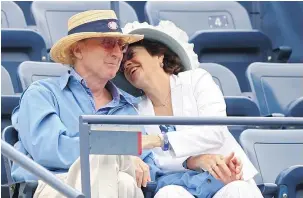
point(155, 65)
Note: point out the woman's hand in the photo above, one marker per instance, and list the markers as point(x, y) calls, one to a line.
point(142, 172)
point(226, 169)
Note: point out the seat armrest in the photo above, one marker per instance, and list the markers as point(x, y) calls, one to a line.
point(268, 189)
point(24, 189)
point(289, 179)
point(149, 190)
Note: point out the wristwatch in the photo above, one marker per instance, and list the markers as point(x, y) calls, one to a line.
point(165, 143)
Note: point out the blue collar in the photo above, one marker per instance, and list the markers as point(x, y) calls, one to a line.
point(115, 91)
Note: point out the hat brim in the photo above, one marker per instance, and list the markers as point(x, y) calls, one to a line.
point(60, 51)
point(170, 42)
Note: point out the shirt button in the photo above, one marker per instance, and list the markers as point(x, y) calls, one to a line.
point(209, 181)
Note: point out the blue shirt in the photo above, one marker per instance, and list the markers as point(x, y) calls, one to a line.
point(47, 120)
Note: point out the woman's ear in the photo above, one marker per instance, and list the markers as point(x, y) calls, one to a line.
point(161, 58)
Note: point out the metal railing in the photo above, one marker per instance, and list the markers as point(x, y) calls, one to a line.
point(36, 169)
point(86, 120)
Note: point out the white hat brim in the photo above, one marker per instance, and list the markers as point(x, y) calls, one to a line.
point(170, 42)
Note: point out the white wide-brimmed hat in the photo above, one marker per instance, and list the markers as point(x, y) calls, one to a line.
point(171, 36)
point(89, 24)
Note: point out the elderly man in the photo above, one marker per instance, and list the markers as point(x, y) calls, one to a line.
point(47, 117)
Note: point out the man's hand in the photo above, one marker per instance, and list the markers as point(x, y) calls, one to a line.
point(142, 172)
point(226, 169)
point(151, 141)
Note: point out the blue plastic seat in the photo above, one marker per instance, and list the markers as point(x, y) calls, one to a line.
point(22, 189)
point(19, 45)
point(276, 154)
point(276, 86)
point(30, 71)
point(8, 103)
point(12, 15)
point(198, 15)
point(235, 49)
point(237, 104)
point(6, 83)
point(51, 17)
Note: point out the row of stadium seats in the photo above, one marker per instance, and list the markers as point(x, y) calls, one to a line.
point(220, 31)
point(276, 86)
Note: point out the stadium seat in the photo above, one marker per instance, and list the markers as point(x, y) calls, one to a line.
point(274, 153)
point(276, 86)
point(19, 45)
point(199, 15)
point(6, 83)
point(295, 108)
point(8, 103)
point(220, 31)
point(51, 17)
point(30, 71)
point(23, 189)
point(237, 104)
point(235, 49)
point(12, 15)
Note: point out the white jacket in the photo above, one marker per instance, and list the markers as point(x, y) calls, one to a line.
point(194, 93)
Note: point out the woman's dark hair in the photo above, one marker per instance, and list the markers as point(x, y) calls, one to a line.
point(171, 62)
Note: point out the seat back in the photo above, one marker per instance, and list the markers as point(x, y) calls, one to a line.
point(12, 15)
point(235, 49)
point(8, 104)
point(275, 85)
point(51, 17)
point(6, 83)
point(198, 15)
point(224, 78)
point(30, 71)
point(272, 151)
point(20, 45)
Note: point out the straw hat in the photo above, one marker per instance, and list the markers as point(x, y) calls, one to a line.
point(89, 24)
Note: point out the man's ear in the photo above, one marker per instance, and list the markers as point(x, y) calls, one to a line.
point(77, 51)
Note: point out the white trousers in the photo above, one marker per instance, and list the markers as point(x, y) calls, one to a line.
point(236, 189)
point(111, 177)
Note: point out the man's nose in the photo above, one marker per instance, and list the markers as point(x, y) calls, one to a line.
point(116, 51)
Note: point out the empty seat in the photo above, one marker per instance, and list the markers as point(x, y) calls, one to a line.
point(199, 15)
point(30, 71)
point(236, 104)
point(18, 45)
point(8, 103)
point(6, 83)
point(276, 85)
point(272, 151)
point(235, 49)
point(295, 108)
point(51, 17)
point(12, 15)
point(224, 78)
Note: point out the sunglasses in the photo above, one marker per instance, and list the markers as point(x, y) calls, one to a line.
point(110, 43)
